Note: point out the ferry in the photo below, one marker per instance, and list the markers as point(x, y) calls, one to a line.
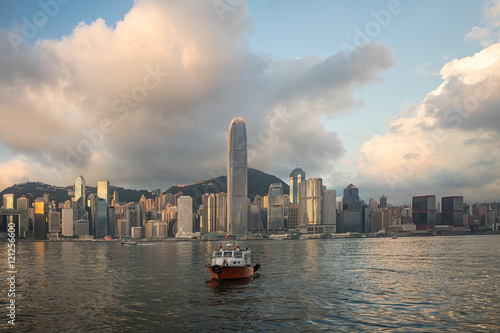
point(232, 263)
point(129, 243)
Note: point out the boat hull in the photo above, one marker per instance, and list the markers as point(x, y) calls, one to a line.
point(233, 272)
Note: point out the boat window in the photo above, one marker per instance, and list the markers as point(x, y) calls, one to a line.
point(218, 254)
point(228, 254)
point(237, 254)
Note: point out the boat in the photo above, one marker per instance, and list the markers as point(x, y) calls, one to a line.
point(129, 243)
point(230, 262)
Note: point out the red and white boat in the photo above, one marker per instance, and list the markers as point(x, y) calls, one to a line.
point(232, 263)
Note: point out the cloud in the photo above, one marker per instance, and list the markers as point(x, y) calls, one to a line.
point(148, 102)
point(449, 144)
point(489, 33)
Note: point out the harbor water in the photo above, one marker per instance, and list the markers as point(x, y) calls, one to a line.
point(414, 284)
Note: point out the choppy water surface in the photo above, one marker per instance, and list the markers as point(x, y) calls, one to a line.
point(428, 284)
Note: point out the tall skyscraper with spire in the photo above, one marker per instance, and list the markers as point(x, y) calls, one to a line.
point(237, 177)
point(80, 199)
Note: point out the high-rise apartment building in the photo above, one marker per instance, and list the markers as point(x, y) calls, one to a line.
point(237, 177)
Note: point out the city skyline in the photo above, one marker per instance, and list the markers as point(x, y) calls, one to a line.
point(413, 112)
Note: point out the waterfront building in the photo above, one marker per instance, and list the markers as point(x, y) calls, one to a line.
point(330, 211)
point(372, 203)
point(424, 212)
point(82, 227)
point(355, 221)
point(452, 210)
point(54, 222)
point(221, 213)
point(121, 227)
point(184, 216)
point(132, 212)
point(112, 221)
point(381, 220)
point(23, 207)
point(102, 218)
point(311, 205)
point(80, 205)
point(275, 211)
point(67, 222)
point(237, 177)
point(254, 217)
point(136, 232)
point(40, 225)
point(297, 176)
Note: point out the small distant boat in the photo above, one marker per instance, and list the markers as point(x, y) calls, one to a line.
point(394, 236)
point(129, 243)
point(232, 263)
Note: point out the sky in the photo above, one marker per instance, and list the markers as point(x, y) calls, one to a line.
point(400, 98)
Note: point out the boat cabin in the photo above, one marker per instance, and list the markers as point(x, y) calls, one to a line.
point(232, 257)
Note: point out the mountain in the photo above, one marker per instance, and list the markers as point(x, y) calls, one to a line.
point(33, 190)
point(258, 184)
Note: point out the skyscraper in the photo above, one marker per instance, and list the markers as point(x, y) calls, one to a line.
point(40, 225)
point(67, 222)
point(452, 210)
point(237, 177)
point(184, 216)
point(311, 204)
point(296, 176)
point(383, 202)
point(103, 190)
point(80, 199)
point(424, 212)
point(275, 211)
point(351, 196)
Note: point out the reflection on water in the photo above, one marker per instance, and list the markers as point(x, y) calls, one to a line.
point(430, 284)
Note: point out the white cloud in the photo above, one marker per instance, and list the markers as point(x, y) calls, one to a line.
point(449, 145)
point(148, 103)
point(489, 32)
